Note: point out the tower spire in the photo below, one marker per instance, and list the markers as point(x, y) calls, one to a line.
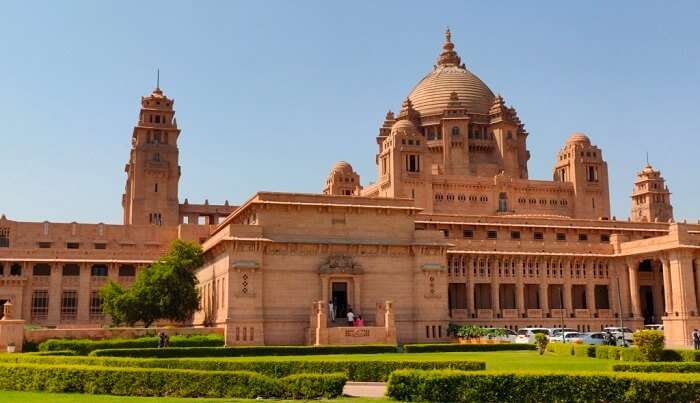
point(158, 78)
point(448, 57)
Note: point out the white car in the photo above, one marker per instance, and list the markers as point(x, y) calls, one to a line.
point(556, 331)
point(509, 337)
point(567, 337)
point(594, 338)
point(527, 334)
point(654, 327)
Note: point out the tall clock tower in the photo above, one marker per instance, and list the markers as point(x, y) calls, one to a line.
point(153, 170)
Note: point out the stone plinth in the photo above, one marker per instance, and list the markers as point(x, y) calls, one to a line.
point(11, 330)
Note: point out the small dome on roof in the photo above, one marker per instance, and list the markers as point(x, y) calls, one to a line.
point(403, 125)
point(342, 167)
point(578, 138)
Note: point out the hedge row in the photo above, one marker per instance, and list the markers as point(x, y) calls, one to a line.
point(434, 348)
point(460, 386)
point(165, 382)
point(618, 353)
point(365, 370)
point(578, 350)
point(175, 352)
point(85, 346)
point(681, 367)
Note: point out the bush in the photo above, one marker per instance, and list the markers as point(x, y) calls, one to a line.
point(650, 344)
point(57, 352)
point(631, 354)
point(583, 350)
point(561, 348)
point(541, 342)
point(175, 352)
point(85, 346)
point(449, 347)
point(459, 386)
point(365, 370)
point(681, 367)
point(165, 382)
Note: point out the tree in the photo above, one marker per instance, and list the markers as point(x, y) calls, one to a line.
point(650, 343)
point(541, 341)
point(164, 290)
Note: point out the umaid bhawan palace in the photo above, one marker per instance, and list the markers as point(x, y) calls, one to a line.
point(452, 230)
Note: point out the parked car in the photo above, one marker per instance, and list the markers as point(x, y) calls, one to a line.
point(556, 331)
point(594, 338)
point(619, 333)
point(527, 334)
point(654, 327)
point(567, 337)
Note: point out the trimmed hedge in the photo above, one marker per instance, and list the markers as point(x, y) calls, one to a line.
point(460, 386)
point(633, 354)
point(365, 370)
point(166, 382)
point(679, 367)
point(85, 346)
point(436, 348)
point(561, 348)
point(174, 352)
point(56, 353)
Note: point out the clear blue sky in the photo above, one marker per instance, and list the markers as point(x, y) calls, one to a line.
point(269, 95)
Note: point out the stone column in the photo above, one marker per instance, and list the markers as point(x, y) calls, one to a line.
point(590, 297)
point(470, 287)
point(658, 294)
point(668, 293)
point(566, 287)
point(613, 295)
point(696, 267)
point(84, 293)
point(623, 277)
point(495, 298)
point(632, 271)
point(682, 283)
point(544, 299)
point(519, 288)
point(55, 296)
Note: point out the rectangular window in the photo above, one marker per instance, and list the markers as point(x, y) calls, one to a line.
point(582, 237)
point(40, 304)
point(412, 163)
point(98, 270)
point(467, 233)
point(604, 238)
point(491, 234)
point(100, 246)
point(446, 233)
point(41, 269)
point(4, 237)
point(515, 235)
point(538, 236)
point(561, 236)
point(72, 245)
point(71, 270)
point(69, 305)
point(44, 245)
point(96, 305)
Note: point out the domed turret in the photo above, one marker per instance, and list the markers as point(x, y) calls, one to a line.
point(578, 138)
point(342, 180)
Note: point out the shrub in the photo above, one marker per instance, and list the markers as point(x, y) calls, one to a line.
point(541, 342)
point(631, 354)
point(583, 350)
point(459, 386)
point(57, 352)
point(609, 352)
point(175, 352)
point(650, 344)
point(682, 367)
point(85, 346)
point(364, 370)
point(165, 382)
point(450, 347)
point(561, 348)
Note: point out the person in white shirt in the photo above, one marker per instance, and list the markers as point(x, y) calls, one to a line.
point(351, 318)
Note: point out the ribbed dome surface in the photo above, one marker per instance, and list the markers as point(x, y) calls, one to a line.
point(432, 93)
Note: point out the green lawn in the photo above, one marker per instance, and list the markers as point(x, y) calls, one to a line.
point(499, 360)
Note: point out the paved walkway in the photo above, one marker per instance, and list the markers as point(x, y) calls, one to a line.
point(365, 389)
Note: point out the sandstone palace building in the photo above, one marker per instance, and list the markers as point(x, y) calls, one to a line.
point(452, 230)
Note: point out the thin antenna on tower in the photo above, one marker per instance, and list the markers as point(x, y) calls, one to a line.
point(158, 78)
point(647, 157)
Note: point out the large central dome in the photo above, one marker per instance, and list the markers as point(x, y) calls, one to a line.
point(432, 93)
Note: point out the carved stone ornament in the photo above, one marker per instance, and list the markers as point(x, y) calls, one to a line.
point(340, 263)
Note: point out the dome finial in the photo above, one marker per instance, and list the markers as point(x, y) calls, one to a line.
point(448, 57)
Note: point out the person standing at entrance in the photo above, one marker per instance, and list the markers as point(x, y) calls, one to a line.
point(696, 339)
point(331, 310)
point(351, 317)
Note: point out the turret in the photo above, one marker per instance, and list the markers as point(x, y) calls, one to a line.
point(581, 163)
point(342, 180)
point(651, 199)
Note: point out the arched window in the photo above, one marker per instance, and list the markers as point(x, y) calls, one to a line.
point(455, 131)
